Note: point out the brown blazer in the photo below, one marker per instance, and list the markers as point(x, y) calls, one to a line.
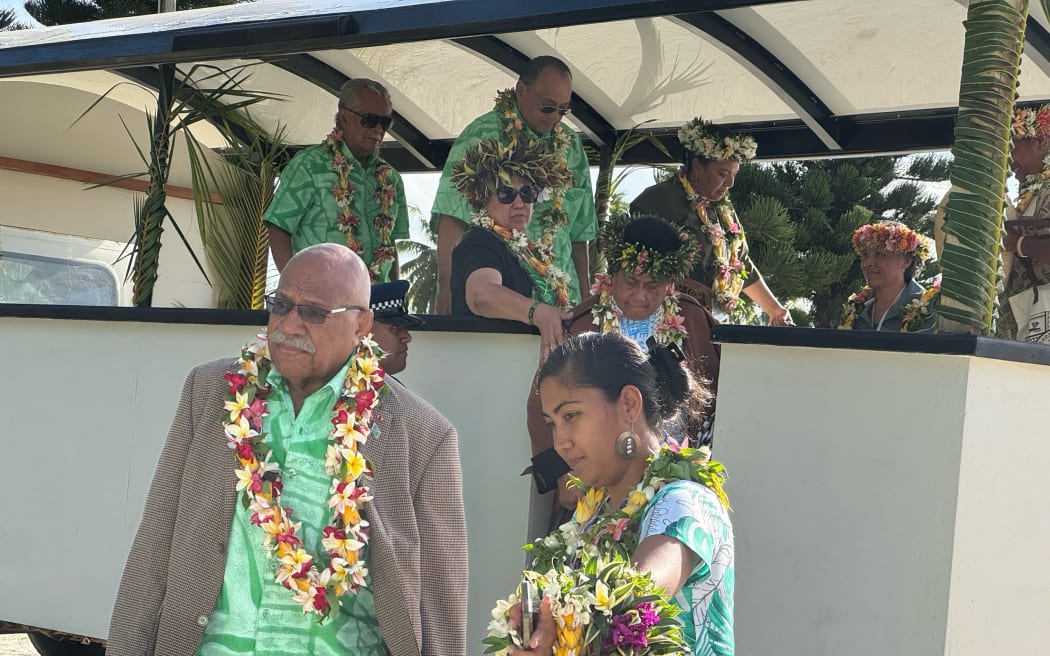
point(701, 354)
point(418, 544)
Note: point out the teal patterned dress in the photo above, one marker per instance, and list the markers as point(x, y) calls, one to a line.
point(693, 515)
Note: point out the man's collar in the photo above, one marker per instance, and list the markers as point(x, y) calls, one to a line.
point(369, 161)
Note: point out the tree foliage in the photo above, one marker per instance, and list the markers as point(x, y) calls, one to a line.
point(421, 271)
point(799, 217)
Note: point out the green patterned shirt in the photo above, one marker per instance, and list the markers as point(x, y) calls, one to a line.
point(693, 515)
point(578, 204)
point(304, 207)
point(255, 614)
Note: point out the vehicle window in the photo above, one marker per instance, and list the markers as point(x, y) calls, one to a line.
point(55, 281)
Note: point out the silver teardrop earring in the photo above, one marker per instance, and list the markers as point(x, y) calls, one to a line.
point(626, 444)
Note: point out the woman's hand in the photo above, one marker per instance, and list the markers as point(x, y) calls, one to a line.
point(551, 323)
point(781, 317)
point(544, 633)
point(568, 495)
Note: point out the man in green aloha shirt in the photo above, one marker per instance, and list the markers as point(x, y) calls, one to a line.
point(533, 109)
point(341, 191)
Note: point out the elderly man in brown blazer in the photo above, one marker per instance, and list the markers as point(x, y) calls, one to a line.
point(199, 578)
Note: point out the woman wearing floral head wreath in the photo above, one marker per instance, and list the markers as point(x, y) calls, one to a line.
point(1026, 242)
point(890, 255)
point(497, 270)
point(697, 199)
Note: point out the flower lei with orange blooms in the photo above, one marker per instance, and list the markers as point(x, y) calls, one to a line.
point(1031, 122)
point(670, 325)
point(315, 585)
point(727, 244)
point(550, 282)
point(554, 217)
point(344, 193)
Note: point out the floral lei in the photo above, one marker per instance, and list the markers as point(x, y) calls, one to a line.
point(585, 568)
point(315, 585)
point(727, 243)
point(913, 315)
point(554, 217)
point(344, 193)
point(1031, 186)
point(670, 325)
point(536, 257)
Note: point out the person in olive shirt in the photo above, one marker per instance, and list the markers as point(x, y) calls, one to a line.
point(341, 191)
point(696, 198)
point(532, 110)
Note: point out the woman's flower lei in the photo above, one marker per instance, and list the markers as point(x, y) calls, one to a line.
point(913, 315)
point(701, 139)
point(344, 193)
point(585, 568)
point(854, 307)
point(670, 325)
point(554, 217)
point(314, 584)
point(1032, 184)
point(727, 244)
point(536, 257)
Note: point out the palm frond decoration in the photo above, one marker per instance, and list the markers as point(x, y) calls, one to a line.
point(202, 93)
point(981, 155)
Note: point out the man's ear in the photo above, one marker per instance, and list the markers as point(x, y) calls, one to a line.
point(364, 323)
point(519, 88)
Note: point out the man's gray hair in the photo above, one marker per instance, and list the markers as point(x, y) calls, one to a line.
point(351, 90)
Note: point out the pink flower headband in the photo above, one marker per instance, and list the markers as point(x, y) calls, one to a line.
point(891, 238)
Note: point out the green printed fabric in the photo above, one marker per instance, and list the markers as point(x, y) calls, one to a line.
point(578, 203)
point(256, 615)
point(304, 207)
point(693, 515)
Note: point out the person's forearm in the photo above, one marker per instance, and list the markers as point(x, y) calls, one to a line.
point(450, 229)
point(487, 299)
point(760, 293)
point(581, 260)
point(280, 246)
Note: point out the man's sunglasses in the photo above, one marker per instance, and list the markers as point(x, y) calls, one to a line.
point(308, 313)
point(550, 109)
point(506, 195)
point(371, 120)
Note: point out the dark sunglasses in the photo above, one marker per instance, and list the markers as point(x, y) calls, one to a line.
point(371, 120)
point(550, 109)
point(506, 195)
point(308, 313)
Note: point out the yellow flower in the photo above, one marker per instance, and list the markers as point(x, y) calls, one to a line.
point(636, 500)
point(589, 504)
point(234, 407)
point(356, 465)
point(603, 601)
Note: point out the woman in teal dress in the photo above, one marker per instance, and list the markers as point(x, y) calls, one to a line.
point(663, 508)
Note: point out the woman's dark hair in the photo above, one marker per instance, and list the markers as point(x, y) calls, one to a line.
point(609, 362)
point(652, 232)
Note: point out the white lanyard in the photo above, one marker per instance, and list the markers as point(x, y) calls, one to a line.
point(897, 298)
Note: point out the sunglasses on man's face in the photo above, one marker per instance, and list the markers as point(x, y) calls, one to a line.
point(371, 120)
point(506, 195)
point(308, 313)
point(550, 109)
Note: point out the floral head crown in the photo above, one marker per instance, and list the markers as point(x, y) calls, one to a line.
point(704, 140)
point(891, 237)
point(488, 163)
point(1031, 122)
point(641, 259)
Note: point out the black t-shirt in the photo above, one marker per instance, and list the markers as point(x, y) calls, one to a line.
point(483, 249)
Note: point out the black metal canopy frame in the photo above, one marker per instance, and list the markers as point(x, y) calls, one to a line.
point(286, 43)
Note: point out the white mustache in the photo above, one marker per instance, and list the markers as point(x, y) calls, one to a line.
point(301, 342)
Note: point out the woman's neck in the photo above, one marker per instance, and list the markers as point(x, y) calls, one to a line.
point(635, 470)
point(885, 297)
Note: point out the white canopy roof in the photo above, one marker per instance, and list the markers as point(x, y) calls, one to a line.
point(810, 78)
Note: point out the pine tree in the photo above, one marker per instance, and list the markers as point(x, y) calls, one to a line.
point(799, 217)
point(9, 21)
